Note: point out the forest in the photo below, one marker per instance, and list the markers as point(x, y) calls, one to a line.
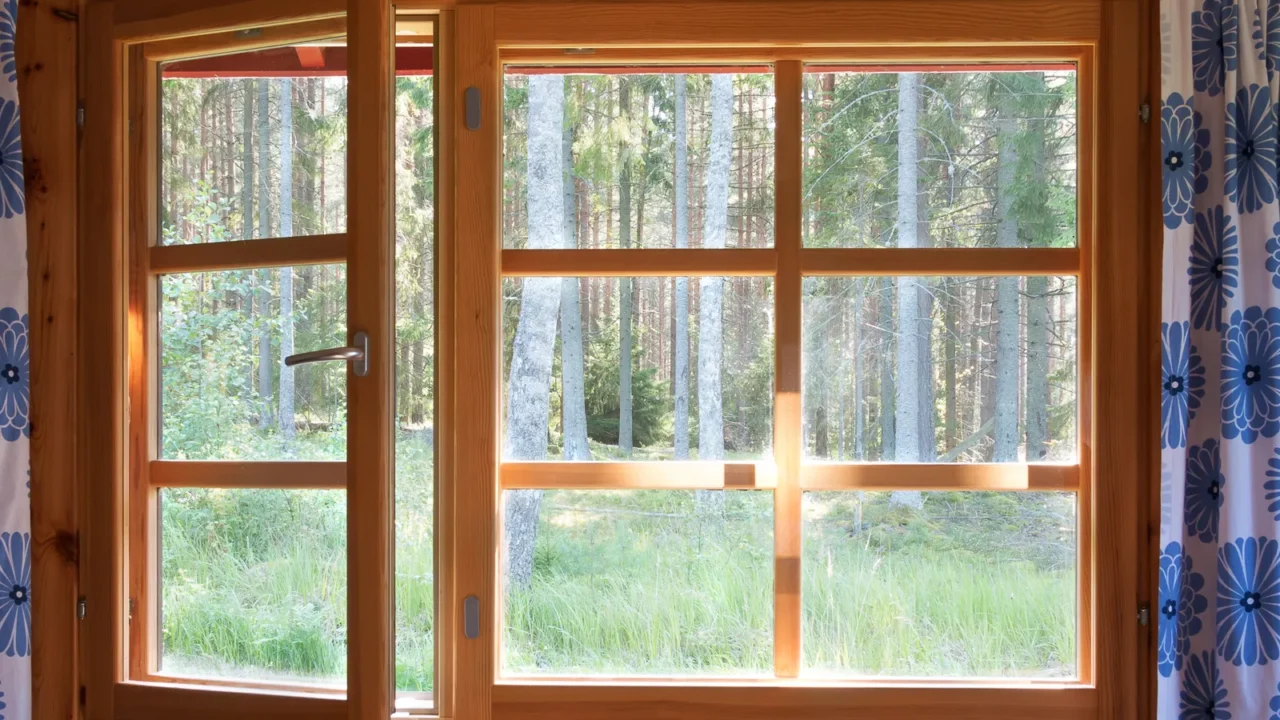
point(907, 369)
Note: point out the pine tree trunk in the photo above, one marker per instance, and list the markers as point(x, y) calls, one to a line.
point(573, 404)
point(1038, 324)
point(624, 284)
point(680, 368)
point(285, 416)
point(1006, 307)
point(529, 380)
point(264, 281)
point(907, 447)
point(710, 331)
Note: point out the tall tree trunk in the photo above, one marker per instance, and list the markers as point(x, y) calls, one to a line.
point(285, 416)
point(624, 284)
point(1006, 307)
point(859, 429)
point(264, 281)
point(907, 447)
point(1038, 322)
point(888, 395)
point(529, 380)
point(573, 403)
point(951, 427)
point(924, 333)
point(681, 340)
point(710, 331)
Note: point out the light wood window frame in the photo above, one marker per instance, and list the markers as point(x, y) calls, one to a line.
point(1112, 262)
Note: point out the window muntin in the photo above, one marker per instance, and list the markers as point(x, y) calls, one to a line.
point(991, 143)
point(625, 135)
point(221, 151)
point(994, 370)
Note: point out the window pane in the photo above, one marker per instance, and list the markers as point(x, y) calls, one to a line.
point(945, 369)
point(654, 160)
point(225, 392)
point(971, 584)
point(700, 379)
point(415, 363)
point(232, 126)
point(991, 158)
point(638, 582)
point(254, 585)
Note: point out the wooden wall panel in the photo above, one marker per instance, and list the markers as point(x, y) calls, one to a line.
point(46, 44)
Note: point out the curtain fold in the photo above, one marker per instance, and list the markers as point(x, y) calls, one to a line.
point(1218, 613)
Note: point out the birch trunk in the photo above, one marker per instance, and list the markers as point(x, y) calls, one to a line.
point(624, 284)
point(285, 415)
point(681, 340)
point(529, 380)
point(1006, 307)
point(907, 448)
point(573, 404)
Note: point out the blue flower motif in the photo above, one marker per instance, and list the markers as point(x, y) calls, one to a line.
point(1213, 44)
point(1178, 144)
point(1182, 383)
point(1213, 267)
point(15, 594)
point(8, 37)
point(1273, 255)
point(1275, 705)
point(1273, 37)
point(1249, 165)
point(1204, 694)
point(11, 187)
point(1180, 606)
point(1204, 158)
point(1249, 601)
point(1204, 486)
point(1272, 485)
point(15, 376)
point(1251, 374)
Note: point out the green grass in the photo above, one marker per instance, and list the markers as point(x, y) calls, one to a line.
point(978, 584)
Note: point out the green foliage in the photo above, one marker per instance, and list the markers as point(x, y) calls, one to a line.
point(651, 402)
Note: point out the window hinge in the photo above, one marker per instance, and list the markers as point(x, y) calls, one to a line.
point(81, 607)
point(1144, 112)
point(1144, 614)
point(79, 114)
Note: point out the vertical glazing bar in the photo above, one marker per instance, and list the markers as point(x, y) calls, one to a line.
point(476, 356)
point(786, 429)
point(370, 398)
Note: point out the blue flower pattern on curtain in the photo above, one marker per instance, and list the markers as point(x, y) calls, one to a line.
point(15, 395)
point(1218, 609)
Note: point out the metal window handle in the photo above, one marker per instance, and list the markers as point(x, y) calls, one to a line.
point(358, 355)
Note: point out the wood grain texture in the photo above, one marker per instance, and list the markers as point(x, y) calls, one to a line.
point(1087, 222)
point(142, 20)
point(101, 461)
point(787, 417)
point(267, 252)
point(143, 374)
point(650, 23)
point(445, 371)
point(1119, 419)
point(1153, 234)
point(290, 475)
point(371, 398)
point(940, 261)
point(702, 59)
point(233, 42)
point(165, 701)
point(666, 475)
point(477, 351)
point(47, 56)
point(639, 263)
point(769, 701)
point(943, 477)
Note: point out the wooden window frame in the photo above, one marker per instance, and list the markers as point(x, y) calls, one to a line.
point(1101, 36)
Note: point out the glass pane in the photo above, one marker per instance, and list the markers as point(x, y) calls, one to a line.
point(970, 584)
point(225, 392)
point(638, 582)
point(991, 160)
point(653, 160)
point(253, 585)
point(940, 369)
point(699, 384)
point(232, 126)
point(415, 361)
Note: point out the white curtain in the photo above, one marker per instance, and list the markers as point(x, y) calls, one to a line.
point(15, 397)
